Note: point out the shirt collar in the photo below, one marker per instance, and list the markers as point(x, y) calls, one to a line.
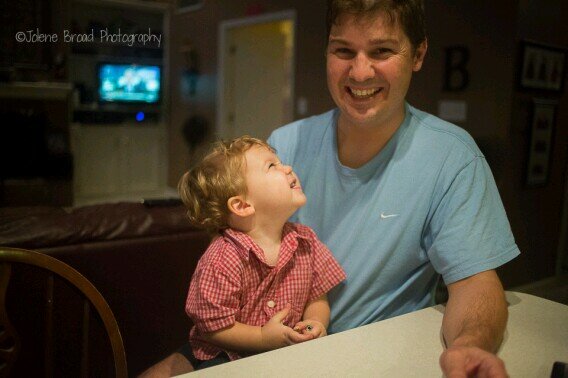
point(245, 244)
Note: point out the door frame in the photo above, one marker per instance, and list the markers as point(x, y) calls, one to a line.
point(562, 251)
point(224, 28)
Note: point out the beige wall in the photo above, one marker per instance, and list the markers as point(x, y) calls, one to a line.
point(498, 114)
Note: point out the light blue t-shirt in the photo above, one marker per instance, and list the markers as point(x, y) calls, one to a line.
point(426, 204)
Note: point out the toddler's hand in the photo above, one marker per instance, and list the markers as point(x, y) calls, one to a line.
point(276, 335)
point(311, 327)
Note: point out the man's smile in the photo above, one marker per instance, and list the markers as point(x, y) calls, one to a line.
point(362, 93)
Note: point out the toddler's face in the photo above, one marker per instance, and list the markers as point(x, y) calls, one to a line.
point(273, 188)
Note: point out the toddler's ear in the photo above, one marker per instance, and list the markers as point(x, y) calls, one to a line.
point(240, 207)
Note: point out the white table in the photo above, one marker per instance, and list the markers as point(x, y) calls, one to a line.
point(410, 345)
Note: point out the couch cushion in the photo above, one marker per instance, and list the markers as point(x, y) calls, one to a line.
point(42, 227)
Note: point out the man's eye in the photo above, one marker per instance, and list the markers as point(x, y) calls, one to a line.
point(383, 52)
point(343, 53)
point(271, 165)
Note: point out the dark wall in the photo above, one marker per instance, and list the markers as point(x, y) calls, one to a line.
point(535, 213)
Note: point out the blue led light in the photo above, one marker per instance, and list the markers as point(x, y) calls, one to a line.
point(140, 116)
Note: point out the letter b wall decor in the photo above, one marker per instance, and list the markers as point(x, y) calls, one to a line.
point(456, 75)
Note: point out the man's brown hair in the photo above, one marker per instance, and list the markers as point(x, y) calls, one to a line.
point(409, 13)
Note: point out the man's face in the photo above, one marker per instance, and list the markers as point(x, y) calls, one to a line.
point(369, 66)
point(272, 187)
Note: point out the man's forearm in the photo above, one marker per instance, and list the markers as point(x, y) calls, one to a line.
point(476, 312)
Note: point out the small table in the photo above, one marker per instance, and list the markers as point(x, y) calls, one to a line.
point(410, 346)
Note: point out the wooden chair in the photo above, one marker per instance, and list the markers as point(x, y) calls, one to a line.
point(10, 342)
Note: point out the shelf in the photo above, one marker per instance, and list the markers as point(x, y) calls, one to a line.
point(98, 45)
point(117, 51)
point(40, 90)
point(117, 107)
point(147, 5)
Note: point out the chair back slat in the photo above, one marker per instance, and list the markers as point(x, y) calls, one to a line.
point(92, 299)
point(85, 339)
point(49, 327)
point(9, 338)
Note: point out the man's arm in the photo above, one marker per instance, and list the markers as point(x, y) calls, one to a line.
point(476, 312)
point(473, 326)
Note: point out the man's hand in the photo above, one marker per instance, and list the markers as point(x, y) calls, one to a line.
point(311, 326)
point(462, 362)
point(276, 335)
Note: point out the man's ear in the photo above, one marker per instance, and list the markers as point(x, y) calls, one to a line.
point(240, 207)
point(419, 55)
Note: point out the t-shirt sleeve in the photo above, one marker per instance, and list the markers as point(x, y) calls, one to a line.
point(214, 296)
point(469, 232)
point(327, 272)
point(281, 140)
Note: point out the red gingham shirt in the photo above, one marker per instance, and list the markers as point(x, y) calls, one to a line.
point(233, 283)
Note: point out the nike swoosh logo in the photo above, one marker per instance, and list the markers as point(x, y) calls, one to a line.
point(385, 216)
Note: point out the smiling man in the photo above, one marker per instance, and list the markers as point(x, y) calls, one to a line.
point(398, 195)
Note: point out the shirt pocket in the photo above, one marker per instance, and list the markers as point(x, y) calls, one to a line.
point(296, 281)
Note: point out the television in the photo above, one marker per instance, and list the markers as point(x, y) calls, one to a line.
point(129, 83)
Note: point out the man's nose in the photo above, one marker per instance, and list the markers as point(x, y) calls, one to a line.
point(361, 68)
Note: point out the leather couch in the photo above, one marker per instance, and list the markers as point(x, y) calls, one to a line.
point(140, 258)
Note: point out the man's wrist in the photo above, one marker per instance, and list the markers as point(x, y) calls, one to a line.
point(473, 341)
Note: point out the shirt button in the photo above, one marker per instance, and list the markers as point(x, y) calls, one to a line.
point(271, 304)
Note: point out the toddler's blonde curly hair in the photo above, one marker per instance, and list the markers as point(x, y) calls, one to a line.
point(206, 188)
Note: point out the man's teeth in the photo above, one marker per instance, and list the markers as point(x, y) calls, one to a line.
point(363, 92)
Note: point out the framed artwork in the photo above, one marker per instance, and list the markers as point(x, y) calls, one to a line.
point(188, 5)
point(542, 67)
point(541, 138)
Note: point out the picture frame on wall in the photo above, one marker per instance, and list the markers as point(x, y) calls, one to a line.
point(184, 6)
point(542, 67)
point(541, 141)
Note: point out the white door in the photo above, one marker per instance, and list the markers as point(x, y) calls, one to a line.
point(257, 78)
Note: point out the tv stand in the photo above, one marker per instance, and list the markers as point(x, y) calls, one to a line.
point(118, 116)
point(119, 161)
point(120, 149)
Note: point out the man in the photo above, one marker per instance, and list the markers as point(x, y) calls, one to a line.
point(397, 194)
point(400, 196)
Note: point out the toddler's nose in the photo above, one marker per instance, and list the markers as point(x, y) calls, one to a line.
point(287, 169)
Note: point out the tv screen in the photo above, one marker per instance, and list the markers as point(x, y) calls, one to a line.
point(129, 83)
